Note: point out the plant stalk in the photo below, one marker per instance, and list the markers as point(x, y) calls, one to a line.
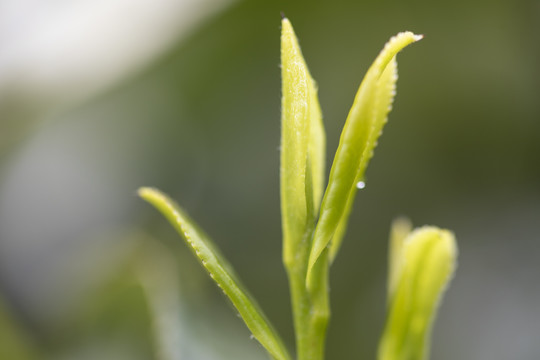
point(309, 321)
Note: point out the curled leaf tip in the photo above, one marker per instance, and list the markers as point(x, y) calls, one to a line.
point(408, 34)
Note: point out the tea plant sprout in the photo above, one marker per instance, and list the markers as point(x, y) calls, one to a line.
point(314, 219)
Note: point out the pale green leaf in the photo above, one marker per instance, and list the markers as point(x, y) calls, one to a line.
point(302, 145)
point(428, 262)
point(358, 139)
point(220, 271)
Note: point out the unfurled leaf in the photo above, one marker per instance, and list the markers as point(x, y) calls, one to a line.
point(302, 145)
point(363, 126)
point(426, 263)
point(385, 90)
point(220, 271)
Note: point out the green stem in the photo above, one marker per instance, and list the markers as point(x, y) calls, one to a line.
point(309, 321)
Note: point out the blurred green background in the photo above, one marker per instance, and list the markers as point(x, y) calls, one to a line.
point(99, 98)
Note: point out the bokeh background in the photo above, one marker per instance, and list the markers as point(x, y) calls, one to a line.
point(98, 98)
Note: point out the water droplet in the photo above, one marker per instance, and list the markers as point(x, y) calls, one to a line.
point(252, 337)
point(360, 185)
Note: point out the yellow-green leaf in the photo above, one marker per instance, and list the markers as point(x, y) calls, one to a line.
point(428, 260)
point(220, 271)
point(302, 145)
point(363, 126)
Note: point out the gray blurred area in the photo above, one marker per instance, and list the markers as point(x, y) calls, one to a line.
point(99, 98)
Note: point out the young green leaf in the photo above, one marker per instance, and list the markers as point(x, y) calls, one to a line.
point(302, 182)
point(385, 90)
point(302, 145)
point(358, 139)
point(428, 260)
point(220, 271)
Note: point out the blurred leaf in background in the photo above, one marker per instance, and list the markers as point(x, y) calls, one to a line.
point(190, 103)
point(16, 343)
